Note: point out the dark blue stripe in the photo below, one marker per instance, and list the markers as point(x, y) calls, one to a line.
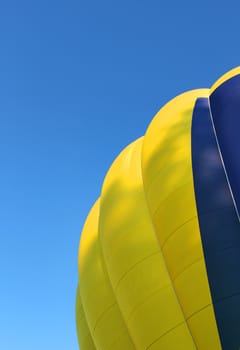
point(219, 227)
point(225, 109)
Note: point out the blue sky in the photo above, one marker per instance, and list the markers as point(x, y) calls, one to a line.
point(79, 80)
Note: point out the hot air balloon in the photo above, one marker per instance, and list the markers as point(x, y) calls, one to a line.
point(159, 256)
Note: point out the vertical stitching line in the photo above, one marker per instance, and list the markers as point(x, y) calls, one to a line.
point(164, 260)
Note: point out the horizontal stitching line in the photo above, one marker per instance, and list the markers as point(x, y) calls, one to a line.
point(146, 299)
point(170, 194)
point(133, 266)
point(228, 297)
point(179, 227)
point(191, 219)
point(102, 314)
point(178, 325)
point(193, 263)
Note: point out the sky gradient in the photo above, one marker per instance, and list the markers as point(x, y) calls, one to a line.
point(78, 82)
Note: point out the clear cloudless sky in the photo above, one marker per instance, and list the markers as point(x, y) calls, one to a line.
point(79, 80)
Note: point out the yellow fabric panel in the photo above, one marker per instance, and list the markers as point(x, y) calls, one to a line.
point(166, 126)
point(180, 259)
point(135, 264)
point(102, 313)
point(83, 333)
point(157, 315)
point(119, 209)
point(113, 330)
point(199, 323)
point(119, 343)
point(166, 174)
point(181, 216)
point(173, 340)
point(168, 183)
point(191, 288)
point(225, 77)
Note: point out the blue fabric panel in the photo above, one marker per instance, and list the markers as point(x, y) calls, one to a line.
point(225, 109)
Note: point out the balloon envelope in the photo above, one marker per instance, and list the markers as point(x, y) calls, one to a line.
point(159, 255)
